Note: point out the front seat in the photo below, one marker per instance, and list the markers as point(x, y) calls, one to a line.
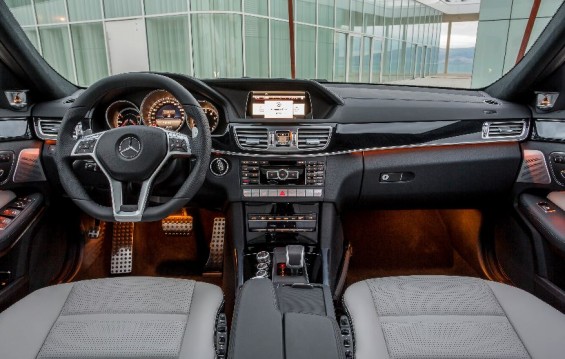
point(127, 317)
point(451, 317)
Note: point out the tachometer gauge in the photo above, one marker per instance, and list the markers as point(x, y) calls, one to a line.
point(211, 114)
point(122, 113)
point(161, 109)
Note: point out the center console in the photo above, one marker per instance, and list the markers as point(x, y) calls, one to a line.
point(282, 179)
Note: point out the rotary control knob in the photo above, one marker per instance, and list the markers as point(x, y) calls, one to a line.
point(263, 257)
point(261, 274)
point(219, 166)
point(283, 174)
point(262, 266)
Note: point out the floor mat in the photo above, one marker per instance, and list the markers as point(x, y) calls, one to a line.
point(155, 253)
point(411, 242)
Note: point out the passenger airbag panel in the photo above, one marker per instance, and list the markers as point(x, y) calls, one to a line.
point(444, 175)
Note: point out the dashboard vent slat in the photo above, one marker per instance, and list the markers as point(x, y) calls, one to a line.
point(504, 129)
point(47, 128)
point(252, 138)
point(313, 138)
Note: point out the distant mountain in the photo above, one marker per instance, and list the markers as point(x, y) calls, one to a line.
point(460, 60)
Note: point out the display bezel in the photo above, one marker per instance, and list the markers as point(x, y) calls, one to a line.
point(252, 99)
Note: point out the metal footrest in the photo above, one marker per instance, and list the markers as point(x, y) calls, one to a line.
point(215, 261)
point(177, 225)
point(122, 248)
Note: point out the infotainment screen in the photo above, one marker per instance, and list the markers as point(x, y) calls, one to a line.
point(279, 104)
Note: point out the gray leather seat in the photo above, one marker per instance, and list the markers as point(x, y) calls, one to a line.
point(451, 317)
point(128, 317)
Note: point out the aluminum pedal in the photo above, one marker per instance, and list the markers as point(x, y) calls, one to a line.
point(215, 261)
point(177, 225)
point(122, 248)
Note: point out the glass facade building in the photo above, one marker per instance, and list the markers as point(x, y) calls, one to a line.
point(369, 41)
point(502, 24)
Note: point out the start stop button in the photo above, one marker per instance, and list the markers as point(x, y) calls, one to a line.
point(219, 166)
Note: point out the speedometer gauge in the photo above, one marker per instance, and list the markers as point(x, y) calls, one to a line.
point(166, 113)
point(211, 114)
point(122, 113)
point(162, 109)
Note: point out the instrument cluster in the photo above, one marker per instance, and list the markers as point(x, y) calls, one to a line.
point(158, 108)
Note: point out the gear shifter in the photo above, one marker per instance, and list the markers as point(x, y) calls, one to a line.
point(295, 259)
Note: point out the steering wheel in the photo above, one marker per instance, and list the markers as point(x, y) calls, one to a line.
point(132, 154)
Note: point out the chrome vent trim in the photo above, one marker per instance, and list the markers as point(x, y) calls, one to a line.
point(265, 138)
point(47, 128)
point(313, 138)
point(252, 138)
point(504, 129)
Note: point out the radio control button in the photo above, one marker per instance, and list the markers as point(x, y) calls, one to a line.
point(309, 193)
point(301, 193)
point(292, 192)
point(254, 193)
point(272, 193)
point(283, 174)
point(317, 193)
point(246, 193)
point(264, 193)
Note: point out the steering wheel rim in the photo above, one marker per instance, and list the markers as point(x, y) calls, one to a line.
point(69, 149)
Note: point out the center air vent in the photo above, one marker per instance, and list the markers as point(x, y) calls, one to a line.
point(252, 138)
point(313, 138)
point(47, 128)
point(506, 129)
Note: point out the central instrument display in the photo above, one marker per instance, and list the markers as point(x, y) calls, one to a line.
point(161, 109)
point(279, 104)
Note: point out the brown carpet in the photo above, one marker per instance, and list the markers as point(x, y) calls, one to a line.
point(411, 242)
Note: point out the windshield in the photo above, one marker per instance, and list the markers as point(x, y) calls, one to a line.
point(441, 43)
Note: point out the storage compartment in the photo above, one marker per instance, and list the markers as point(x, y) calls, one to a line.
point(447, 175)
point(284, 321)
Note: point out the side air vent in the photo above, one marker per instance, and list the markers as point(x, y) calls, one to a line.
point(506, 129)
point(252, 138)
point(47, 128)
point(313, 138)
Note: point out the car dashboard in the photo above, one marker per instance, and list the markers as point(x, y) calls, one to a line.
point(277, 140)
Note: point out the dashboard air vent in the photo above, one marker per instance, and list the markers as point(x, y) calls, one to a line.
point(506, 129)
point(252, 138)
point(313, 138)
point(47, 128)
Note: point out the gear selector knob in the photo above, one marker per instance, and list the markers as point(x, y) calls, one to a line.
point(295, 257)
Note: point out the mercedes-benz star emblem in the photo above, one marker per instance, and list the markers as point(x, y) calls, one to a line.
point(129, 148)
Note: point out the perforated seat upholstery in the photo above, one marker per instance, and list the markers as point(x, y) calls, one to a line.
point(129, 317)
point(451, 317)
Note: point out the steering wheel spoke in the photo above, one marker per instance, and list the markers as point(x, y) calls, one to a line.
point(179, 144)
point(86, 145)
point(128, 212)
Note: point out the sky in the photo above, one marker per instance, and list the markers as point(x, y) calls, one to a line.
point(463, 34)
